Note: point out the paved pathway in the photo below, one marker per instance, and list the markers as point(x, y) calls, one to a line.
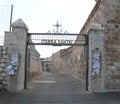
point(58, 89)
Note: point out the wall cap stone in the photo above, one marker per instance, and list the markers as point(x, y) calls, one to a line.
point(96, 26)
point(19, 24)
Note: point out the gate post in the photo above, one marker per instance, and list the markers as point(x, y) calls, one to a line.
point(16, 42)
point(96, 61)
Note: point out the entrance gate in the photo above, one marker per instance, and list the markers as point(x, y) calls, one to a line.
point(57, 39)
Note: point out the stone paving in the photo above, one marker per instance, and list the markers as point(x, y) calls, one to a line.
point(58, 89)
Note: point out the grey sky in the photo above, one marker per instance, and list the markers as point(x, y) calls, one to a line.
point(41, 15)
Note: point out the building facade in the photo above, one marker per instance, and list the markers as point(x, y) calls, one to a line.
point(66, 61)
point(47, 64)
point(57, 65)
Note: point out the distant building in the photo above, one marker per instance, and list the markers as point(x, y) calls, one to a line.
point(66, 62)
point(56, 60)
point(62, 62)
point(47, 64)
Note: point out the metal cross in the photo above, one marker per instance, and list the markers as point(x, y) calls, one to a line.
point(57, 26)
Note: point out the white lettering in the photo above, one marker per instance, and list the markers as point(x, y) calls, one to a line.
point(57, 41)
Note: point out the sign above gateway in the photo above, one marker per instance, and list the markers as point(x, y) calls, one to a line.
point(57, 41)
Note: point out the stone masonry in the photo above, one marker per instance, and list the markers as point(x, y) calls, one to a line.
point(16, 41)
point(103, 28)
point(34, 63)
point(96, 42)
point(111, 21)
point(3, 63)
point(104, 33)
point(57, 65)
point(66, 62)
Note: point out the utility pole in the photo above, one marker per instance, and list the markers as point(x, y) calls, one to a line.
point(11, 14)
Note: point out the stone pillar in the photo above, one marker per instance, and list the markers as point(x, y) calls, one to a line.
point(16, 41)
point(96, 59)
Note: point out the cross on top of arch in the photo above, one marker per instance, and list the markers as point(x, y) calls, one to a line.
point(57, 25)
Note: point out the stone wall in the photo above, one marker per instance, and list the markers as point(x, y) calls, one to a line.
point(103, 26)
point(70, 61)
point(108, 41)
point(3, 64)
point(57, 65)
point(104, 34)
point(66, 62)
point(35, 66)
point(78, 62)
point(111, 21)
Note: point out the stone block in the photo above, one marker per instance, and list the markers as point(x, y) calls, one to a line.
point(0, 47)
point(4, 83)
point(1, 78)
point(5, 88)
point(116, 76)
point(5, 57)
point(117, 64)
point(4, 52)
point(1, 87)
point(4, 48)
point(0, 51)
point(1, 56)
point(2, 60)
point(1, 69)
point(0, 82)
point(4, 74)
point(6, 60)
point(2, 65)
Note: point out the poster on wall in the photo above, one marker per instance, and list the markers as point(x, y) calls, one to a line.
point(96, 62)
point(13, 65)
point(10, 70)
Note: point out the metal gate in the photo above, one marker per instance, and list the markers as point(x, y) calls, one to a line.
point(57, 39)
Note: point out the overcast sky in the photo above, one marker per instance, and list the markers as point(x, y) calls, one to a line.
point(41, 15)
